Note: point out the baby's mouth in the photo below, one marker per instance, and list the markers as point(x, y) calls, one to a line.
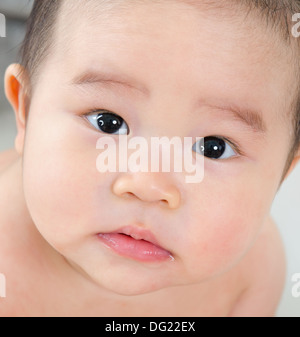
point(134, 243)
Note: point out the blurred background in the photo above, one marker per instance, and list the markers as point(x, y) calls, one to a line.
point(286, 206)
point(16, 12)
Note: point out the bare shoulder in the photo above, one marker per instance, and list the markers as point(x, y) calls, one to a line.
point(10, 250)
point(264, 269)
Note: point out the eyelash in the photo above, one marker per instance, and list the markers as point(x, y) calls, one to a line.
point(235, 146)
point(96, 110)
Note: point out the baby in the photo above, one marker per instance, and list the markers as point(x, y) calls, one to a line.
point(79, 242)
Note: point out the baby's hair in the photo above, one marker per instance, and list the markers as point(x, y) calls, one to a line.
point(277, 14)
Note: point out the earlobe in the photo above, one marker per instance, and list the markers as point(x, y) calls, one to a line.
point(15, 90)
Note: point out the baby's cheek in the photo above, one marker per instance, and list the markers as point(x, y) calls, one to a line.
point(57, 190)
point(228, 240)
point(45, 192)
point(231, 237)
point(225, 234)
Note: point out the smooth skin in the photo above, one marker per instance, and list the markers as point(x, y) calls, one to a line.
point(228, 255)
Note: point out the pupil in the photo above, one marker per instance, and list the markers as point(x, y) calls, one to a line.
point(109, 123)
point(214, 147)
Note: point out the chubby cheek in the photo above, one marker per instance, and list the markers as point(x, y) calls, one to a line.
point(60, 182)
point(225, 228)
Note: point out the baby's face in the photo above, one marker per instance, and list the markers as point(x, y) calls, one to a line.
point(187, 68)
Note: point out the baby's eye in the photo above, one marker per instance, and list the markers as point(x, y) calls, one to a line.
point(108, 122)
point(214, 148)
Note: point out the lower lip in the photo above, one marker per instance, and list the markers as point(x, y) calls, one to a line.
point(136, 249)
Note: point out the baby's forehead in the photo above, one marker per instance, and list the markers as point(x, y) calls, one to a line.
point(119, 16)
point(251, 21)
point(81, 27)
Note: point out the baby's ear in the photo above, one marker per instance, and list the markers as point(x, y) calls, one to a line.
point(15, 89)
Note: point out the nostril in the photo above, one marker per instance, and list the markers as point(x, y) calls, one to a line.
point(129, 195)
point(132, 195)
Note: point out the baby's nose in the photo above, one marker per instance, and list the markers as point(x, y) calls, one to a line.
point(148, 187)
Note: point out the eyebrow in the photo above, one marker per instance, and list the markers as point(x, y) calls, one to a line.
point(250, 118)
point(91, 78)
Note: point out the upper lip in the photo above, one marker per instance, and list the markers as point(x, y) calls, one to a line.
point(138, 234)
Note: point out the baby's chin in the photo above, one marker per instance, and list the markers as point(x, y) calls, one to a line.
point(117, 284)
point(130, 290)
point(127, 278)
point(129, 287)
